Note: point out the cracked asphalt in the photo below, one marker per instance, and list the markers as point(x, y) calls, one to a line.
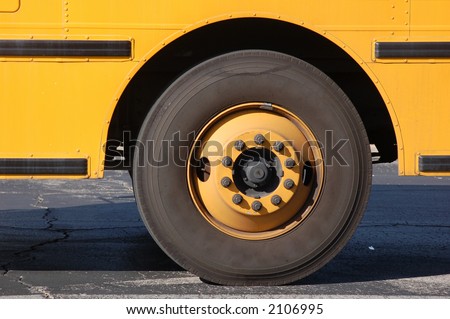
point(85, 239)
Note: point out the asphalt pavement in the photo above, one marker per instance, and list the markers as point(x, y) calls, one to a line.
point(85, 239)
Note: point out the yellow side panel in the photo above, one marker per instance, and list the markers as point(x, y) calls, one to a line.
point(418, 87)
point(54, 107)
point(9, 5)
point(422, 104)
point(430, 15)
point(369, 13)
point(32, 15)
point(341, 18)
point(42, 116)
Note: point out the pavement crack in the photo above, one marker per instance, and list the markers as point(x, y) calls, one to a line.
point(39, 201)
point(49, 219)
point(43, 291)
point(5, 269)
point(106, 200)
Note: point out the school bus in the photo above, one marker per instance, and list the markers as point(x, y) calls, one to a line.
point(246, 125)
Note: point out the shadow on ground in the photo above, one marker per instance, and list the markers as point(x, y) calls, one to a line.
point(405, 233)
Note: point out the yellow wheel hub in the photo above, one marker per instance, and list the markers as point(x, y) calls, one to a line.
point(255, 171)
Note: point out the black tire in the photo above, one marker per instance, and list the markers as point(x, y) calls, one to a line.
point(162, 191)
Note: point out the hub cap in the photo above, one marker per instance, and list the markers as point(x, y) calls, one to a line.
point(255, 172)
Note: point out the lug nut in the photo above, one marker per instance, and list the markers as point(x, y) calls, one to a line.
point(237, 199)
point(278, 146)
point(256, 205)
point(289, 183)
point(289, 163)
point(225, 182)
point(259, 139)
point(275, 200)
point(239, 145)
point(227, 161)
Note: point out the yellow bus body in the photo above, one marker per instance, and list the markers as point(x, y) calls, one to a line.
point(61, 107)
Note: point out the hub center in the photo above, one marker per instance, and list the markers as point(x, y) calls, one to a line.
point(256, 172)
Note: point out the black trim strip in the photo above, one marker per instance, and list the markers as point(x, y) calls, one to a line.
point(65, 48)
point(433, 164)
point(43, 166)
point(406, 50)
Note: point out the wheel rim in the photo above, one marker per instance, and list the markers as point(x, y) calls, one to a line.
point(256, 171)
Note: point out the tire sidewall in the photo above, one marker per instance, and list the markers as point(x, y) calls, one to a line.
point(162, 191)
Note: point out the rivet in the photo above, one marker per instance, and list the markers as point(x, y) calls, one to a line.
point(259, 139)
point(289, 183)
point(239, 145)
point(256, 205)
point(237, 199)
point(227, 161)
point(225, 182)
point(275, 200)
point(289, 163)
point(278, 146)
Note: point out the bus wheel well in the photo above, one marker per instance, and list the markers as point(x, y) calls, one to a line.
point(240, 34)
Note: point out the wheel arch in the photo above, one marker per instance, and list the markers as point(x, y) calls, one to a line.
point(209, 39)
